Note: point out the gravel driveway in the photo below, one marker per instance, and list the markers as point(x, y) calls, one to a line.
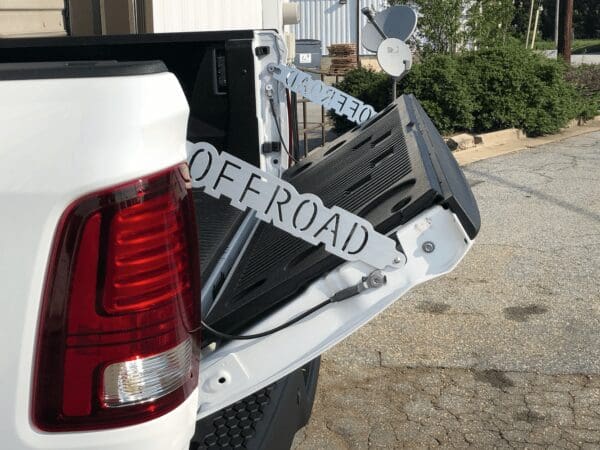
point(504, 351)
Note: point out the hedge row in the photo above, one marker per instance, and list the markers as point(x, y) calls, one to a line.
point(587, 79)
point(482, 91)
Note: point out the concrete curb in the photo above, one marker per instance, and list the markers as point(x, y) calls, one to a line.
point(501, 137)
point(512, 140)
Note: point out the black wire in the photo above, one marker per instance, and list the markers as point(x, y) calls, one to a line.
point(296, 139)
point(235, 337)
point(296, 319)
point(276, 120)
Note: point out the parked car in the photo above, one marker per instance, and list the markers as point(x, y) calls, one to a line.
point(127, 293)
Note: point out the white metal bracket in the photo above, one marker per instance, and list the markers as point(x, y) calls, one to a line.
point(435, 242)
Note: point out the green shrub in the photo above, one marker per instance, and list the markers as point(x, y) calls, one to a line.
point(373, 88)
point(439, 84)
point(586, 78)
point(487, 90)
point(518, 88)
point(496, 88)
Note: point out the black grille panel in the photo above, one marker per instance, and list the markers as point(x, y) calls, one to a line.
point(234, 426)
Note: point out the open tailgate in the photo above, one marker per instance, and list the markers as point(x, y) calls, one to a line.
point(396, 172)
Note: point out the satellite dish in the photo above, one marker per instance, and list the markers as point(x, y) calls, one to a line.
point(394, 57)
point(397, 22)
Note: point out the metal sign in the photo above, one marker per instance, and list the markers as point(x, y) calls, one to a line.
point(278, 202)
point(318, 92)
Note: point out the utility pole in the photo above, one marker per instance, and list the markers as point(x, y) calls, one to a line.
point(556, 22)
point(565, 30)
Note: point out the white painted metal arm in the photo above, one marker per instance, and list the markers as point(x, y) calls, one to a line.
point(434, 242)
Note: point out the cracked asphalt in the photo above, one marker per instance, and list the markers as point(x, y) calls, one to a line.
point(504, 351)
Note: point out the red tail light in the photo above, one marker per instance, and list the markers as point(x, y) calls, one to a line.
point(122, 294)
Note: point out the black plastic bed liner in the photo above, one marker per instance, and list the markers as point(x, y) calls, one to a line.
point(388, 171)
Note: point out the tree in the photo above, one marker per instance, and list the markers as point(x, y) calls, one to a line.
point(586, 19)
point(521, 17)
point(489, 22)
point(440, 23)
point(446, 26)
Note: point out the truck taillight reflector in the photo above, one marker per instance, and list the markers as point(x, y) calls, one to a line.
point(121, 297)
point(143, 379)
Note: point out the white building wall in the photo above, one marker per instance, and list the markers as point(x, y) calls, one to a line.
point(212, 15)
point(332, 22)
point(31, 18)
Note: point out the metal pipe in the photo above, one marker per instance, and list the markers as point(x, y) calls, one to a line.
point(367, 11)
point(322, 116)
point(529, 24)
point(537, 19)
point(304, 125)
point(357, 33)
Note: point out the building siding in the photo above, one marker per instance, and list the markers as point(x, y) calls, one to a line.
point(332, 22)
point(19, 18)
point(207, 15)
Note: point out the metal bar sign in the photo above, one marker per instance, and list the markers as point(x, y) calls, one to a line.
point(278, 202)
point(318, 92)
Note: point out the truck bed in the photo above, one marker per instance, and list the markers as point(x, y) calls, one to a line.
point(388, 170)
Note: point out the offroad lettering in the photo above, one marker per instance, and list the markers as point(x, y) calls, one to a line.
point(277, 202)
point(223, 175)
point(312, 217)
point(248, 187)
point(318, 92)
point(334, 223)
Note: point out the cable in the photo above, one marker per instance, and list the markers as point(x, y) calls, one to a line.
point(296, 140)
point(268, 332)
point(272, 103)
point(291, 143)
point(375, 280)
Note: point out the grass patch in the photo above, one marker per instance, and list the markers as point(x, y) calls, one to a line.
point(545, 45)
point(592, 48)
point(579, 46)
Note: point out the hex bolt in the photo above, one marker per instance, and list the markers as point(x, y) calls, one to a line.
point(272, 68)
point(428, 247)
point(376, 279)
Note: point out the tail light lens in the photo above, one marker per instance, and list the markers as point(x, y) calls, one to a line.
point(121, 298)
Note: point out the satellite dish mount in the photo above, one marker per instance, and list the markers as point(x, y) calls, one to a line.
point(386, 33)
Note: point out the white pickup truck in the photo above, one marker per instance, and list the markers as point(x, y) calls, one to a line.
point(109, 257)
